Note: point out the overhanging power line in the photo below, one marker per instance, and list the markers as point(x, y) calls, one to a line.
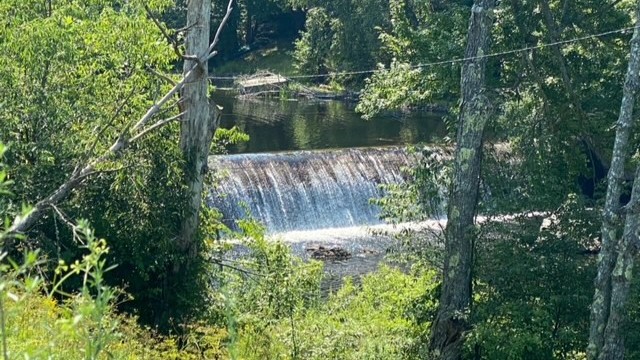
point(446, 62)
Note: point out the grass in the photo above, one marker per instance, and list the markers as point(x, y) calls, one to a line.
point(40, 328)
point(370, 321)
point(40, 320)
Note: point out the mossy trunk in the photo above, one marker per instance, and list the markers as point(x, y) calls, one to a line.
point(610, 258)
point(451, 322)
point(613, 345)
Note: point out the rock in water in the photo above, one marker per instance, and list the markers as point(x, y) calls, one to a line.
point(323, 253)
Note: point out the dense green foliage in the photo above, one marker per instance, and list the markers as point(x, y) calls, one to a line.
point(329, 36)
point(272, 308)
point(534, 286)
point(421, 33)
point(559, 127)
point(40, 320)
point(375, 320)
point(70, 84)
point(253, 25)
point(64, 76)
point(341, 36)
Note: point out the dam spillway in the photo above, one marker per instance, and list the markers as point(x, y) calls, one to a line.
point(306, 190)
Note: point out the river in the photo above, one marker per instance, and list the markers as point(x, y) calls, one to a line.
point(275, 125)
point(310, 169)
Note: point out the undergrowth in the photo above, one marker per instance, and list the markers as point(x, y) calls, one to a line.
point(265, 305)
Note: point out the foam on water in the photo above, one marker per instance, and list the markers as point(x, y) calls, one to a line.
point(306, 190)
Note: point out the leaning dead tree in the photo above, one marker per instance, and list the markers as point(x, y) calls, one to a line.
point(196, 129)
point(617, 251)
point(451, 321)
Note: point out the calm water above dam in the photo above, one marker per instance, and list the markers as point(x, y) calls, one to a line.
point(312, 164)
point(278, 125)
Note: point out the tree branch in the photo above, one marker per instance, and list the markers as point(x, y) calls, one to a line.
point(187, 77)
point(155, 126)
point(122, 143)
point(113, 118)
point(162, 76)
point(222, 262)
point(216, 38)
point(171, 40)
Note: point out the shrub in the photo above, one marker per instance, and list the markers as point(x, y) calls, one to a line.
point(368, 321)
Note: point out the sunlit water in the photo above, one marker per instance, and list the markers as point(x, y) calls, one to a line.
point(307, 189)
point(368, 246)
point(318, 198)
point(281, 125)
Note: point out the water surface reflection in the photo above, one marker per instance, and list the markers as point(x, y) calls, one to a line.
point(276, 125)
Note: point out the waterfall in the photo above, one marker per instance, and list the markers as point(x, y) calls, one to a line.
point(305, 190)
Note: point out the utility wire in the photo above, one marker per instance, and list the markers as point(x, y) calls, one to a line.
point(446, 62)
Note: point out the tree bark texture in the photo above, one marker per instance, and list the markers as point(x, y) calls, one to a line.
point(610, 261)
point(621, 277)
point(447, 333)
point(197, 125)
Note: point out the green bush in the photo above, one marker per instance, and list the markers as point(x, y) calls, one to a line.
point(39, 320)
point(534, 286)
point(367, 321)
point(313, 47)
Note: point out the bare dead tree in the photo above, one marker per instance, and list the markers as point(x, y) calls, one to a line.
point(194, 72)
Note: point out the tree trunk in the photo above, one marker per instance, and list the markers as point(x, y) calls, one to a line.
point(602, 299)
point(621, 277)
point(554, 36)
point(249, 34)
point(197, 126)
point(451, 321)
point(195, 79)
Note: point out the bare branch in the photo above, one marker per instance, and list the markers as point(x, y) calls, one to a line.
point(187, 77)
point(21, 225)
point(216, 39)
point(113, 118)
point(168, 108)
point(156, 107)
point(162, 76)
point(63, 217)
point(191, 57)
point(67, 221)
point(155, 126)
point(225, 263)
point(104, 171)
point(185, 29)
point(174, 44)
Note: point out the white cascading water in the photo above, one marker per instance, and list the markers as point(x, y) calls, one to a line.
point(306, 190)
